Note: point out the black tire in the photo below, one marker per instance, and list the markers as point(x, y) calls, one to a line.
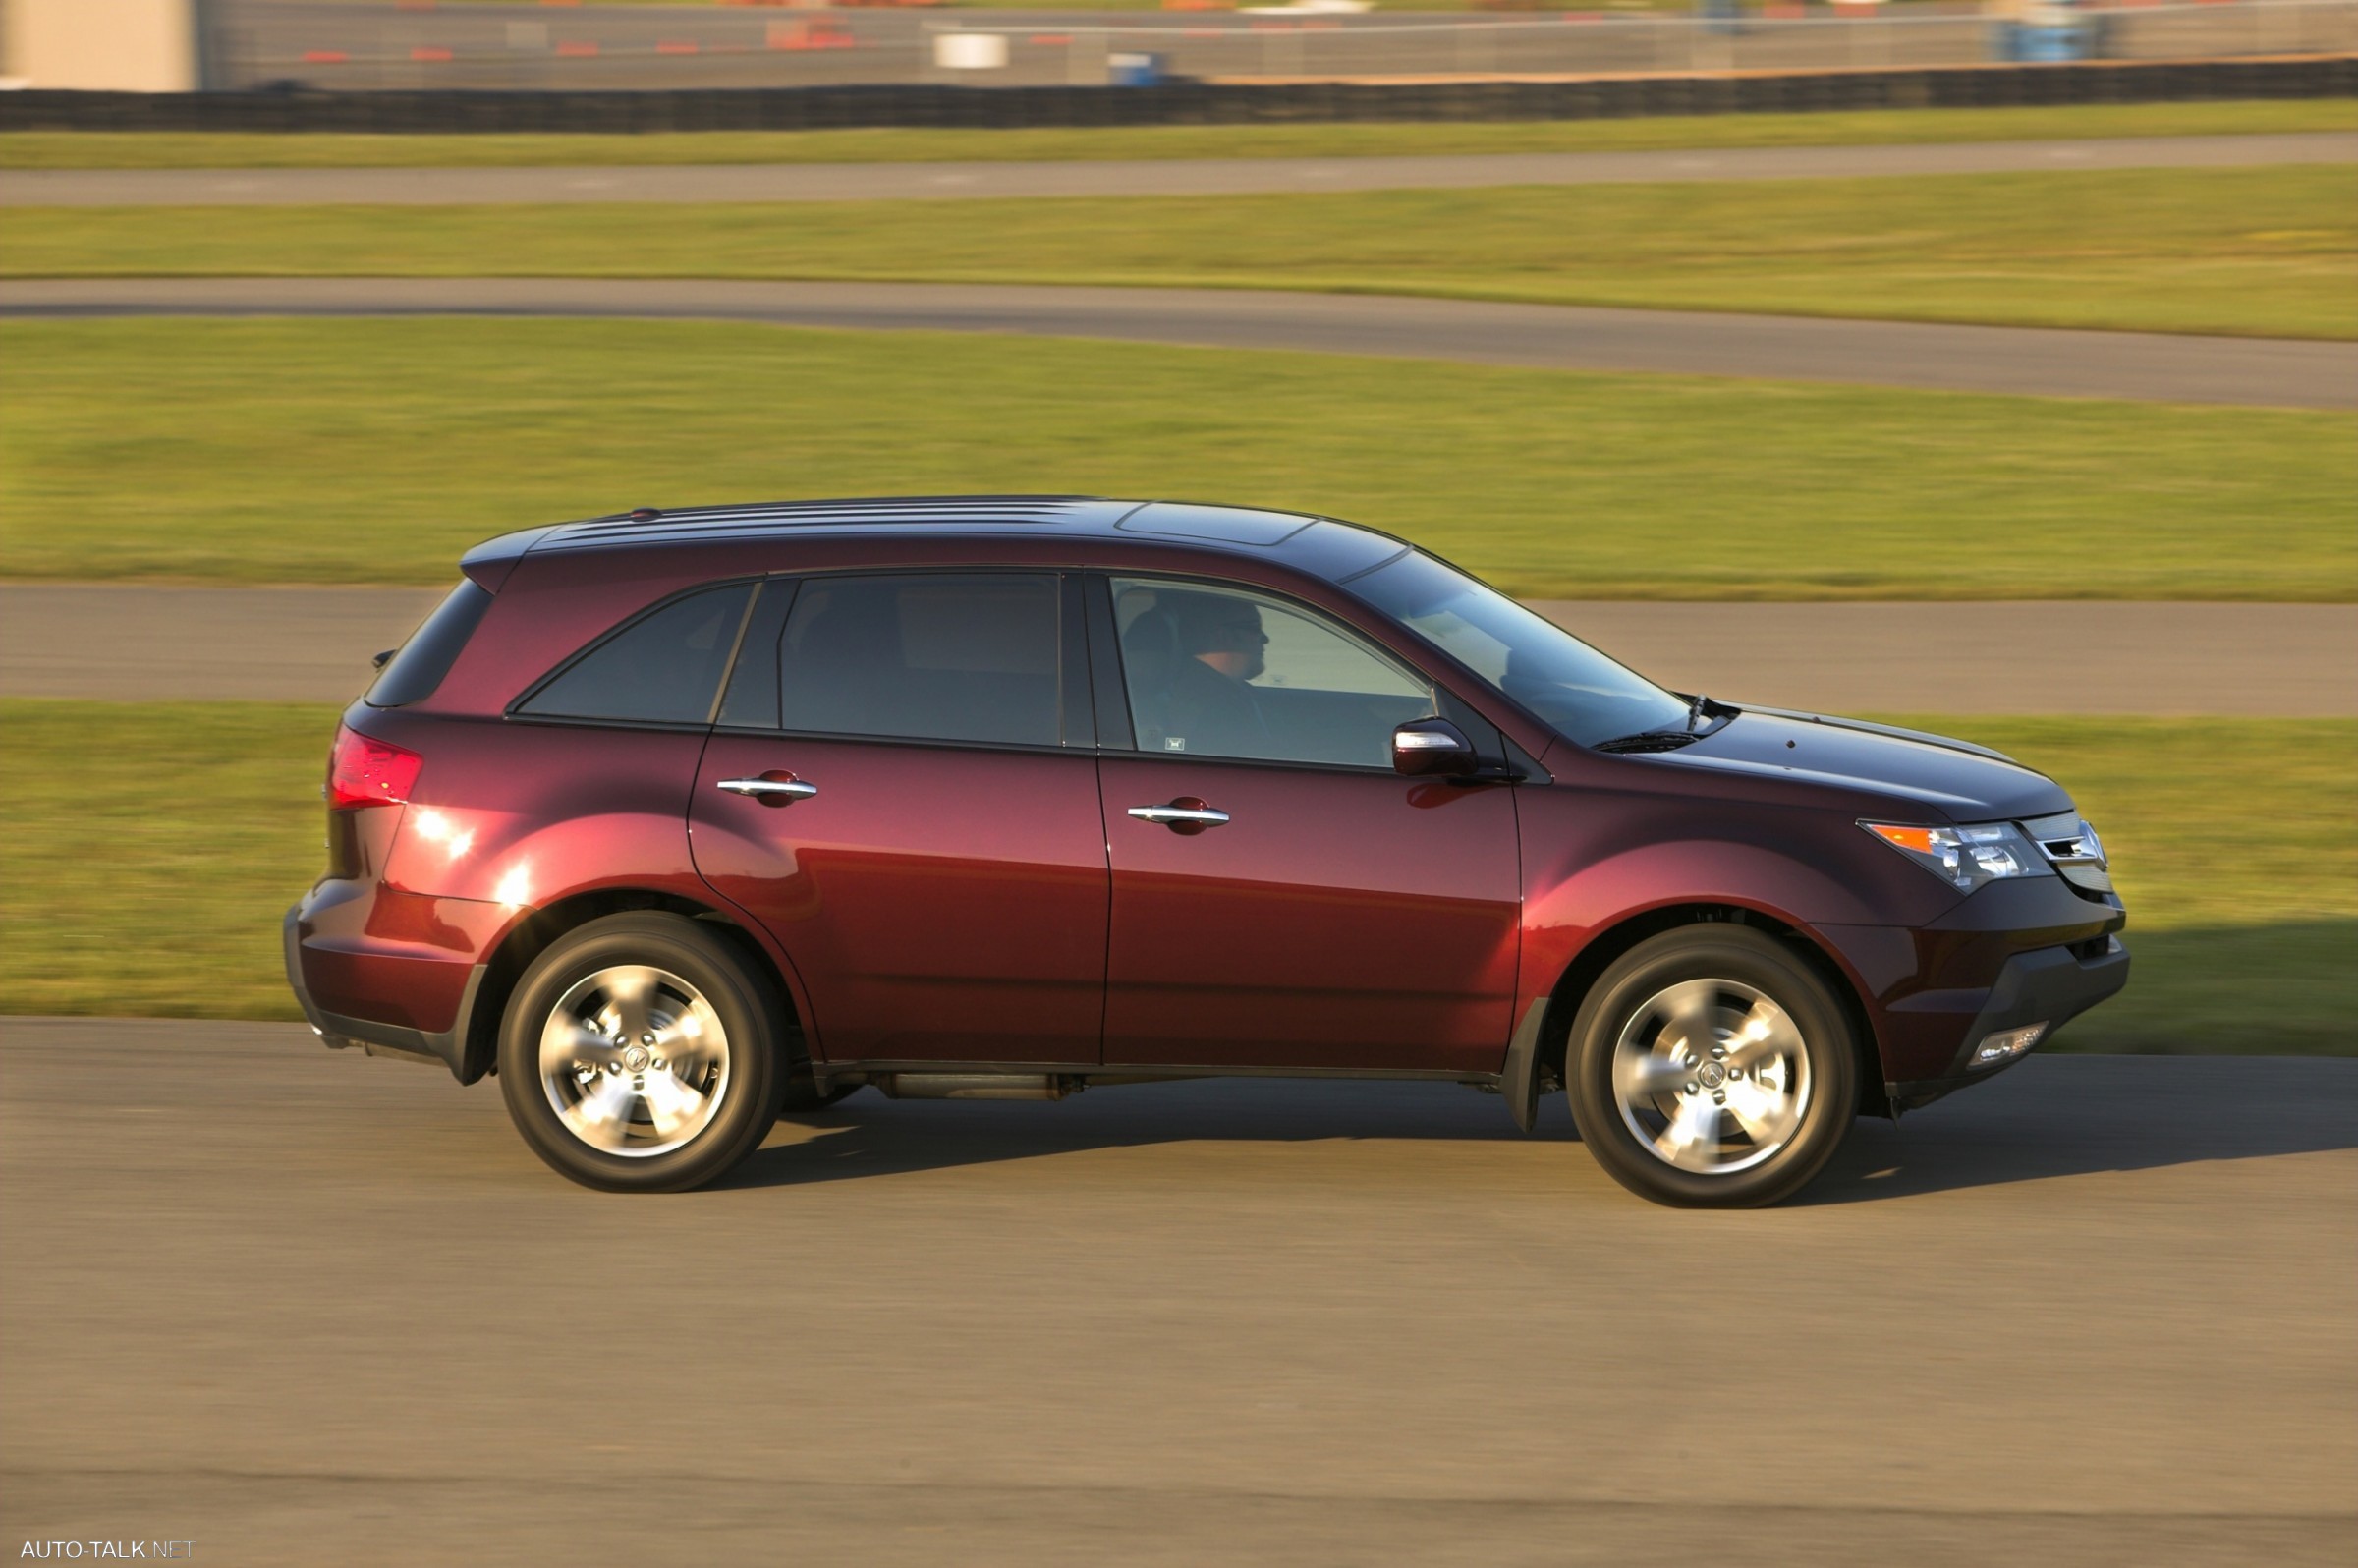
point(1812, 1083)
point(743, 1094)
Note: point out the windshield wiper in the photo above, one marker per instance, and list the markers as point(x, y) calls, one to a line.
point(1702, 711)
point(1649, 741)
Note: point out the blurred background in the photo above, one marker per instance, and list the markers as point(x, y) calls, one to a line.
point(234, 406)
point(349, 45)
point(1984, 366)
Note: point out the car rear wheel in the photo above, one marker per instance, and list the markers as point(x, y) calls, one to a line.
point(638, 1053)
point(1712, 1067)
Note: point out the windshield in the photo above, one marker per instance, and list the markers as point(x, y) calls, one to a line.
point(1579, 691)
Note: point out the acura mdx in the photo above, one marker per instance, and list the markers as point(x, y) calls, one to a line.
point(671, 820)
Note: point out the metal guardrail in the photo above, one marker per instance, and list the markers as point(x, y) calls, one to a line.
point(349, 48)
point(1198, 103)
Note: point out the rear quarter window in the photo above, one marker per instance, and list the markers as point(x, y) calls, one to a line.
point(662, 668)
point(413, 672)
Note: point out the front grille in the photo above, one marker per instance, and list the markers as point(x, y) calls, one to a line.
point(2073, 847)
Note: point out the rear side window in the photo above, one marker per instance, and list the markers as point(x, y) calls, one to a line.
point(960, 656)
point(414, 671)
point(662, 668)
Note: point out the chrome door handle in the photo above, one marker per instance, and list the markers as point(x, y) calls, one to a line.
point(771, 791)
point(1177, 815)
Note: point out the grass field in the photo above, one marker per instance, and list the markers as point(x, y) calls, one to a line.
point(2236, 849)
point(2233, 842)
point(150, 902)
point(101, 150)
point(2263, 251)
point(376, 451)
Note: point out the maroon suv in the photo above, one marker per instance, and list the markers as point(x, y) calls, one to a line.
point(672, 819)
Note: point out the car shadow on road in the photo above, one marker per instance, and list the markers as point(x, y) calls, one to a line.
point(2086, 1115)
point(2054, 1117)
point(870, 1136)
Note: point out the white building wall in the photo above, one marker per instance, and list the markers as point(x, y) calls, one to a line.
point(105, 45)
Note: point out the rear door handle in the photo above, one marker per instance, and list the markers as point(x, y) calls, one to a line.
point(1186, 814)
point(771, 791)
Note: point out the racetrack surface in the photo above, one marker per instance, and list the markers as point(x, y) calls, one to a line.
point(2024, 360)
point(297, 1306)
point(964, 181)
point(145, 643)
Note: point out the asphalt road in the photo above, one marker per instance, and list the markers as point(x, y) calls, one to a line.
point(128, 642)
point(2034, 362)
point(299, 1307)
point(968, 180)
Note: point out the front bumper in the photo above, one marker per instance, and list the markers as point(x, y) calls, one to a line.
point(2012, 954)
point(2048, 985)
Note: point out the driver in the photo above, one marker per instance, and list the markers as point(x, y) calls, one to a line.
point(1221, 648)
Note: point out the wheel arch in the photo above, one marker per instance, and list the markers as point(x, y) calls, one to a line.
point(1600, 952)
point(533, 932)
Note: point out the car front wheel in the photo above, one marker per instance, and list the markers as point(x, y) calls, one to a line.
point(638, 1053)
point(1712, 1067)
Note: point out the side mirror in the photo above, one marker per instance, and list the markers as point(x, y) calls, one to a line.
point(382, 659)
point(1432, 748)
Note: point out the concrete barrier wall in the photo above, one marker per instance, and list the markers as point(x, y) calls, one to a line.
point(100, 45)
point(817, 109)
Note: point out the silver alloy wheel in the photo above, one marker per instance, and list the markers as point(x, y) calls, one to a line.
point(633, 1060)
point(1711, 1076)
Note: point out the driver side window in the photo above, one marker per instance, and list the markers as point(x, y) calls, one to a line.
point(1215, 671)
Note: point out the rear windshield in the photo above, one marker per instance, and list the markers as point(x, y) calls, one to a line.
point(431, 650)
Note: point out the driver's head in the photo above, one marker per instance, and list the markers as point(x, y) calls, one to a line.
point(1221, 632)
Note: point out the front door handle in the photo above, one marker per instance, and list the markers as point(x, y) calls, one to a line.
point(778, 789)
point(1186, 814)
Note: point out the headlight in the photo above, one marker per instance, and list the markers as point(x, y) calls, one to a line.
point(1964, 857)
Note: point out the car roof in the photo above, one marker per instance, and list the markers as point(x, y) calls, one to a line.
point(1322, 545)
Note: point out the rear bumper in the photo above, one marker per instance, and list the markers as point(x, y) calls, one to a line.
point(374, 1037)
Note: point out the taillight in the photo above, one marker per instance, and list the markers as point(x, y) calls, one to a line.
point(364, 771)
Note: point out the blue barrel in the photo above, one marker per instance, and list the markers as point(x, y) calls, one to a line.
point(1134, 70)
